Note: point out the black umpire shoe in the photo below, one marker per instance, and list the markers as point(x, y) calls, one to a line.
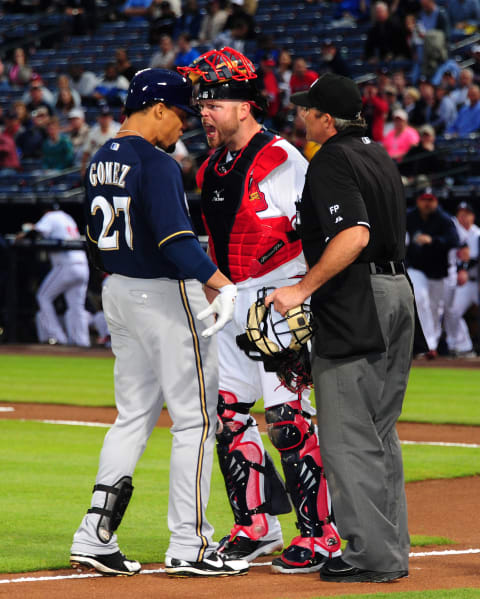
point(336, 570)
point(113, 564)
point(213, 565)
point(244, 548)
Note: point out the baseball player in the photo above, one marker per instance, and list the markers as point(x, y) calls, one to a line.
point(466, 291)
point(139, 229)
point(69, 276)
point(249, 188)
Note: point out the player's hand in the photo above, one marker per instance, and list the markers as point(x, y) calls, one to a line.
point(223, 306)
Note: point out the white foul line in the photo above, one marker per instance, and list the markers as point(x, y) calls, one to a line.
point(259, 564)
point(105, 425)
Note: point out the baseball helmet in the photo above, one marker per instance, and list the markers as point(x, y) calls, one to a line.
point(159, 85)
point(280, 343)
point(225, 74)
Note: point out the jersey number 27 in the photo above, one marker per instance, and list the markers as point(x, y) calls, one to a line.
point(107, 240)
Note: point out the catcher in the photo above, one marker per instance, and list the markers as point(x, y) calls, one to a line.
point(249, 188)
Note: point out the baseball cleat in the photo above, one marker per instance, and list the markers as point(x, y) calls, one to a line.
point(304, 555)
point(113, 564)
point(212, 565)
point(244, 548)
point(336, 570)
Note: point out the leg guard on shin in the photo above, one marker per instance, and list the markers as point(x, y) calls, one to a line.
point(243, 463)
point(292, 433)
point(117, 498)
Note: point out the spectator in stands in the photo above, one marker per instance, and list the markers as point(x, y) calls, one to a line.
point(161, 21)
point(124, 67)
point(63, 106)
point(77, 130)
point(12, 124)
point(30, 142)
point(423, 158)
point(268, 84)
point(476, 63)
point(384, 37)
point(84, 82)
point(333, 61)
point(447, 112)
point(425, 108)
point(460, 94)
point(352, 11)
point(466, 291)
point(237, 11)
point(22, 113)
point(57, 149)
point(38, 95)
point(112, 87)
point(164, 58)
point(399, 82)
point(431, 234)
point(186, 54)
point(464, 14)
point(81, 15)
point(402, 137)
point(433, 16)
point(190, 20)
point(235, 37)
point(63, 82)
point(102, 131)
point(468, 119)
point(375, 110)
point(447, 74)
point(266, 45)
point(302, 77)
point(411, 96)
point(9, 161)
point(213, 22)
point(189, 173)
point(284, 74)
point(4, 80)
point(19, 72)
point(136, 10)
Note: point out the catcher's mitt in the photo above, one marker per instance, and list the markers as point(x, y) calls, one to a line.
point(288, 354)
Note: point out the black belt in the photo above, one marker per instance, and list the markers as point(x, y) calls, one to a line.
point(387, 268)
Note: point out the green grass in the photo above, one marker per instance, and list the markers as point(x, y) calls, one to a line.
point(438, 594)
point(433, 395)
point(48, 473)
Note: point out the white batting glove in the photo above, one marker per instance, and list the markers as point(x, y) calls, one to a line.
point(223, 306)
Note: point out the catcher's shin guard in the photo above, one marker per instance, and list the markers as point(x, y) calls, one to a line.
point(244, 463)
point(117, 498)
point(292, 433)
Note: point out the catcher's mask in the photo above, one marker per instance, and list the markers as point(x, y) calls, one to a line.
point(225, 74)
point(284, 349)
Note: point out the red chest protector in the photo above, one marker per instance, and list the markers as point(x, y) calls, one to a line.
point(242, 244)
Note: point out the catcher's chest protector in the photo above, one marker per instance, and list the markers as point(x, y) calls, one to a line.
point(242, 244)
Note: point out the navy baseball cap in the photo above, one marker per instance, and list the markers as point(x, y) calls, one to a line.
point(465, 206)
point(159, 85)
point(334, 94)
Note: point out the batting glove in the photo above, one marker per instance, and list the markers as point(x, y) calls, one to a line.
point(223, 306)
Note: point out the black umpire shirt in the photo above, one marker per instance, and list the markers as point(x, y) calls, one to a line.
point(351, 181)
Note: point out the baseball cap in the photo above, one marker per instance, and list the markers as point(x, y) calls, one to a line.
point(465, 206)
point(159, 85)
point(104, 110)
point(337, 95)
point(400, 114)
point(76, 113)
point(40, 111)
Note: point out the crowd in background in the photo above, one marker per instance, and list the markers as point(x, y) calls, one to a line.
point(406, 108)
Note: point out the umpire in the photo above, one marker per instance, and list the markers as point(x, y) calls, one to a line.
point(352, 225)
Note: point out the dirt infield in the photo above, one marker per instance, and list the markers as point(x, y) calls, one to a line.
point(447, 508)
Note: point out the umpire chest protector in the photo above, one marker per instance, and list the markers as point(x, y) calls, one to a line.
point(242, 244)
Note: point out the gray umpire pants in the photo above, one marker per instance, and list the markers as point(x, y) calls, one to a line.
point(359, 400)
